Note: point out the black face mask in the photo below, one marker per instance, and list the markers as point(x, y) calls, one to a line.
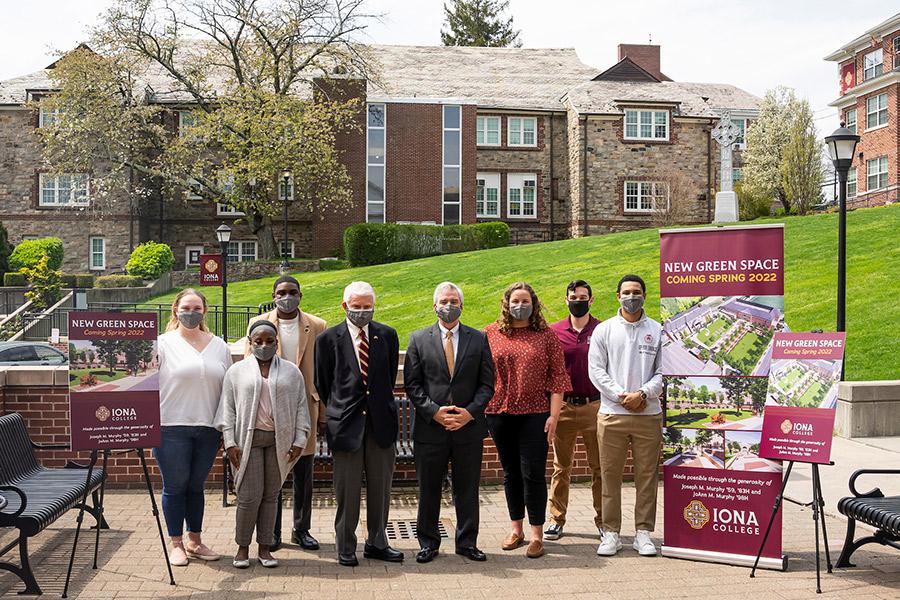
point(579, 308)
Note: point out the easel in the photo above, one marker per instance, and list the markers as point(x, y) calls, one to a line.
point(90, 469)
point(818, 510)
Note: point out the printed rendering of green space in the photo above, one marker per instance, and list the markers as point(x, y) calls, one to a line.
point(709, 334)
point(695, 417)
point(404, 290)
point(102, 374)
point(791, 378)
point(813, 395)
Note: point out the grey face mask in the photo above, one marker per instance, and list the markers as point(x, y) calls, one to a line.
point(521, 312)
point(287, 304)
point(448, 313)
point(190, 319)
point(360, 318)
point(266, 352)
point(632, 304)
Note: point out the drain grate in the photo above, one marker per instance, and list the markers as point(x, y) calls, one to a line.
point(405, 529)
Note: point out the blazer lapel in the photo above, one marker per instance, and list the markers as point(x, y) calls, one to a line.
point(437, 342)
point(464, 335)
point(304, 340)
point(346, 342)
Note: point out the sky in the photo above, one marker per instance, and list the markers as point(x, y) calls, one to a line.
point(755, 44)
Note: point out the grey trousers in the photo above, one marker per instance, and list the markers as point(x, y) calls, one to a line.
point(257, 498)
point(378, 465)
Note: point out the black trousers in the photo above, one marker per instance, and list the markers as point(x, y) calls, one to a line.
point(303, 494)
point(431, 469)
point(522, 446)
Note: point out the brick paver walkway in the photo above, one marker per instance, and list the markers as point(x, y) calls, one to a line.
point(131, 564)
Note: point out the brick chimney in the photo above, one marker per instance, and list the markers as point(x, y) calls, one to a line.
point(646, 56)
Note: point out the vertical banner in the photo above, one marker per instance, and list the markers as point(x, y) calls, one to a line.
point(722, 304)
point(210, 269)
point(113, 380)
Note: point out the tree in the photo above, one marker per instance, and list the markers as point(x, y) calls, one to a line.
point(735, 389)
point(672, 436)
point(703, 438)
point(137, 354)
point(675, 199)
point(252, 74)
point(5, 250)
point(478, 23)
point(108, 353)
point(766, 141)
point(46, 284)
point(801, 166)
point(757, 390)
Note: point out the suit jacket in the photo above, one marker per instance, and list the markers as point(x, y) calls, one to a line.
point(347, 400)
point(310, 327)
point(429, 385)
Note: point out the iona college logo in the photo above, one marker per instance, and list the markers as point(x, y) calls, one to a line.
point(102, 413)
point(786, 426)
point(211, 266)
point(696, 514)
point(648, 338)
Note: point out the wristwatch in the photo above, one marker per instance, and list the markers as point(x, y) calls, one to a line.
point(643, 395)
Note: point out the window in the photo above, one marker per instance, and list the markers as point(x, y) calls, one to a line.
point(241, 251)
point(741, 141)
point(452, 165)
point(645, 196)
point(17, 354)
point(876, 111)
point(289, 248)
point(192, 255)
point(736, 175)
point(375, 163)
point(226, 210)
point(48, 354)
point(850, 120)
point(872, 64)
point(49, 116)
point(487, 195)
point(98, 254)
point(851, 182)
point(521, 195)
point(521, 131)
point(192, 192)
point(186, 120)
point(226, 183)
point(646, 125)
point(68, 189)
point(876, 173)
point(487, 131)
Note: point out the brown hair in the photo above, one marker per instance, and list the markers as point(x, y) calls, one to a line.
point(536, 322)
point(173, 320)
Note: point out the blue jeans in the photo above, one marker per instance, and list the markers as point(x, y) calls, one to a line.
point(185, 457)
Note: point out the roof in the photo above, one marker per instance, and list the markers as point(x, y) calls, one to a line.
point(628, 70)
point(692, 99)
point(850, 49)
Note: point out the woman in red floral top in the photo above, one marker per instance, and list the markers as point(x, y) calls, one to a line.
point(531, 379)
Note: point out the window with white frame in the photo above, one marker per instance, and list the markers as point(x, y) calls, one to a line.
point(876, 111)
point(741, 141)
point(97, 253)
point(645, 196)
point(451, 195)
point(487, 131)
point(521, 131)
point(873, 64)
point(736, 175)
point(646, 125)
point(192, 255)
point(66, 189)
point(186, 120)
point(192, 191)
point(850, 120)
point(851, 182)
point(487, 195)
point(876, 173)
point(521, 195)
point(241, 251)
point(49, 116)
point(289, 248)
point(376, 122)
point(226, 183)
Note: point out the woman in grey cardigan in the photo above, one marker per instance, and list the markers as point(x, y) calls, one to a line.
point(264, 419)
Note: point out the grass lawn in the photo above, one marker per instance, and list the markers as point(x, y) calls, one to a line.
point(791, 378)
point(711, 332)
point(813, 395)
point(405, 289)
point(701, 416)
point(744, 349)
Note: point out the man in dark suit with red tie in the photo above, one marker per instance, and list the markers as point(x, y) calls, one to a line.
point(356, 367)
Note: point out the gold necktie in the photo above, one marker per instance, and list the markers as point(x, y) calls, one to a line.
point(448, 352)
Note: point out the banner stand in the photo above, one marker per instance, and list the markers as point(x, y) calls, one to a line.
point(100, 519)
point(818, 510)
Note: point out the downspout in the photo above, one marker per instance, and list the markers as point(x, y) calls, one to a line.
point(709, 214)
point(552, 207)
point(131, 210)
point(584, 177)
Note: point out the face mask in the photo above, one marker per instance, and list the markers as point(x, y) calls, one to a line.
point(360, 318)
point(190, 318)
point(448, 313)
point(579, 308)
point(520, 312)
point(265, 352)
point(632, 304)
point(287, 304)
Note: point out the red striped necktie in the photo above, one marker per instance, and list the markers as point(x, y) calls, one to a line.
point(364, 357)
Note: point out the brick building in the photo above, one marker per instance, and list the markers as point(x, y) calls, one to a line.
point(869, 70)
point(532, 137)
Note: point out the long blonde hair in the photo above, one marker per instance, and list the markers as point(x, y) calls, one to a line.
point(173, 320)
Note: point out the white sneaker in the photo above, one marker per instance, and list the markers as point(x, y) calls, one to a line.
point(643, 544)
point(610, 544)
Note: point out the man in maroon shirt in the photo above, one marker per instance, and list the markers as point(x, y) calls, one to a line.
point(579, 411)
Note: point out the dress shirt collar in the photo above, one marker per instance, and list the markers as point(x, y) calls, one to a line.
point(444, 330)
point(354, 330)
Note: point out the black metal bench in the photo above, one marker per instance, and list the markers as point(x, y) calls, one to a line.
point(34, 496)
point(871, 508)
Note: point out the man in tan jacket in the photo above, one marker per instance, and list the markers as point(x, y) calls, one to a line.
point(297, 333)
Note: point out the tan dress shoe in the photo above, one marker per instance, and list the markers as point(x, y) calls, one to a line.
point(513, 541)
point(535, 549)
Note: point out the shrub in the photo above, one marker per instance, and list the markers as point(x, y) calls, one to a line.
point(378, 243)
point(150, 260)
point(750, 206)
point(14, 279)
point(118, 281)
point(333, 264)
point(88, 380)
point(46, 287)
point(5, 249)
point(84, 280)
point(67, 280)
point(29, 252)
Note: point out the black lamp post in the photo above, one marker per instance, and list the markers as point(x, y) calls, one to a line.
point(286, 198)
point(841, 148)
point(223, 233)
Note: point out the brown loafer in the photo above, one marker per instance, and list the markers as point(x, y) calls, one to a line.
point(513, 541)
point(535, 549)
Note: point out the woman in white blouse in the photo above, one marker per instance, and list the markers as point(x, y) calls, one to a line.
point(192, 366)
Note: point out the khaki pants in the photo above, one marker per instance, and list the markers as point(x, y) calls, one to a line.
point(572, 421)
point(644, 433)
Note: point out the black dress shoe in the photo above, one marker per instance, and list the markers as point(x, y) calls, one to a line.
point(348, 560)
point(276, 545)
point(387, 553)
point(304, 540)
point(426, 555)
point(472, 553)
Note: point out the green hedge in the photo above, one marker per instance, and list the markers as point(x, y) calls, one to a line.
point(118, 281)
point(378, 243)
point(150, 260)
point(5, 249)
point(80, 280)
point(29, 253)
point(14, 279)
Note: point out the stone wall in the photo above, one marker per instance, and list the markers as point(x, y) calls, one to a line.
point(868, 409)
point(245, 270)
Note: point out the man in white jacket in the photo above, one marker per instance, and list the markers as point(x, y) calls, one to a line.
point(625, 364)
